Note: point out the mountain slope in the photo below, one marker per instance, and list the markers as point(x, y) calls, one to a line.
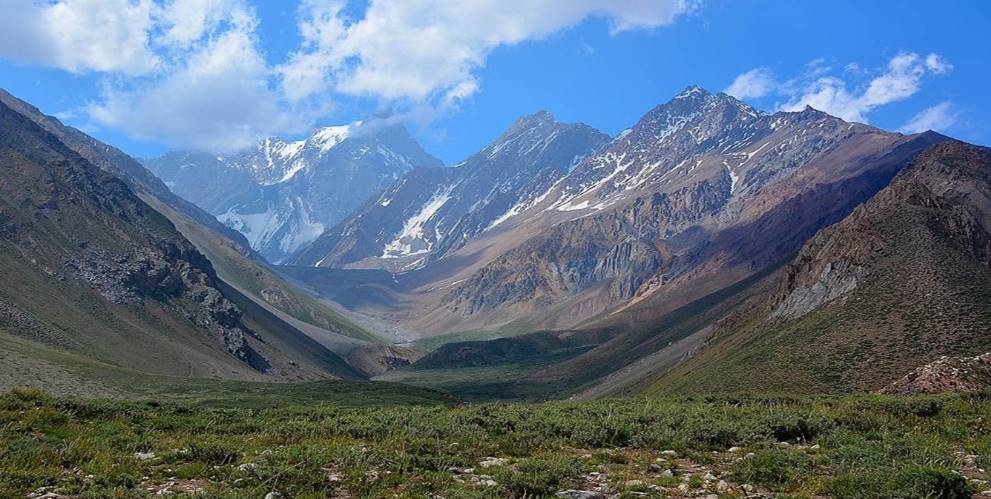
point(228, 251)
point(281, 195)
point(88, 267)
point(429, 213)
point(701, 193)
point(902, 281)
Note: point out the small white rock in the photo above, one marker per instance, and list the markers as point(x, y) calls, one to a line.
point(493, 461)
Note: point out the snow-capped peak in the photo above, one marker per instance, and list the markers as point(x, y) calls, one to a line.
point(326, 138)
point(692, 91)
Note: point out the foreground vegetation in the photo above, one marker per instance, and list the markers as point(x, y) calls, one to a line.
point(862, 446)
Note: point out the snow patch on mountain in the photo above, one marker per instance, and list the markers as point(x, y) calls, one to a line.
point(258, 228)
point(326, 138)
point(412, 239)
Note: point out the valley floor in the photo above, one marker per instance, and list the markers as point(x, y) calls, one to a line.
point(859, 446)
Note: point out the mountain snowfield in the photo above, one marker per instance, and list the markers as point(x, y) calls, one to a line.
point(282, 194)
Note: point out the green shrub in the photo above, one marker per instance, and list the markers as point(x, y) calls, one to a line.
point(538, 476)
point(213, 452)
point(773, 468)
point(909, 482)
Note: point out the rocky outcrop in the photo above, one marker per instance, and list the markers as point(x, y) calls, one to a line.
point(945, 374)
point(835, 280)
point(373, 360)
point(949, 181)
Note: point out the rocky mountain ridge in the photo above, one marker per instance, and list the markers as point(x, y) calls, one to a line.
point(672, 197)
point(283, 194)
point(428, 213)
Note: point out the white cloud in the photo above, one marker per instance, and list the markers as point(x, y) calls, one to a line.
point(937, 64)
point(753, 84)
point(217, 100)
point(901, 78)
point(79, 35)
point(187, 21)
point(938, 118)
point(432, 49)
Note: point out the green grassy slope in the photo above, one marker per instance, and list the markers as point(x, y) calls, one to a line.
point(25, 363)
point(573, 361)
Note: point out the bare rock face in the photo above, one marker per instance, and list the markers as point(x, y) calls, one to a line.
point(945, 374)
point(835, 280)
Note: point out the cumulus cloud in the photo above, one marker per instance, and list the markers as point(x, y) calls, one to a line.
point(186, 21)
point(79, 35)
point(217, 100)
point(191, 72)
point(938, 118)
point(900, 79)
point(432, 49)
point(753, 84)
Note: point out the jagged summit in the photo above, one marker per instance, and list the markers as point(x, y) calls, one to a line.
point(539, 117)
point(692, 91)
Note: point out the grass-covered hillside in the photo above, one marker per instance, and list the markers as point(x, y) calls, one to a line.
point(861, 446)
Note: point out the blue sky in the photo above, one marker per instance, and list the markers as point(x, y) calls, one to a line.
point(215, 74)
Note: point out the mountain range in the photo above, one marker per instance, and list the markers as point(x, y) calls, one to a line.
point(282, 194)
point(710, 247)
